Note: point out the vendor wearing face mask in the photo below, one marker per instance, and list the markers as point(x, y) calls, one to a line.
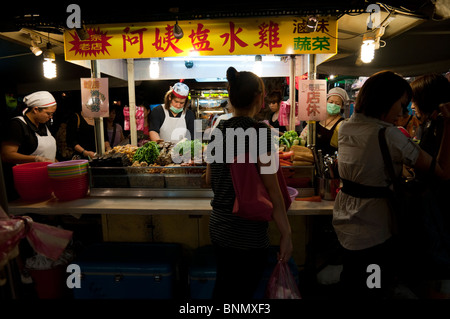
point(171, 121)
point(27, 138)
point(326, 131)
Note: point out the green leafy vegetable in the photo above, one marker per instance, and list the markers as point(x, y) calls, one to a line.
point(147, 153)
point(195, 148)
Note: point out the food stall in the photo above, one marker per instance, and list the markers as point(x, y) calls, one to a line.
point(148, 198)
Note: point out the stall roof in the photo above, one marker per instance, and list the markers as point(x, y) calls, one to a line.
point(415, 42)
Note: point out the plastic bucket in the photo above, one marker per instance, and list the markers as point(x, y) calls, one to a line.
point(50, 283)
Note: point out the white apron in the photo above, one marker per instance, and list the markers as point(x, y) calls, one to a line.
point(46, 144)
point(173, 129)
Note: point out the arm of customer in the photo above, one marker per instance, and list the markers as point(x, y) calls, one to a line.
point(208, 175)
point(270, 181)
point(442, 168)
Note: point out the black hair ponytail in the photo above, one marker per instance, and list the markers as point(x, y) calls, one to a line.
point(243, 87)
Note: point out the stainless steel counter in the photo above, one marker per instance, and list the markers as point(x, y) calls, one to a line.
point(144, 206)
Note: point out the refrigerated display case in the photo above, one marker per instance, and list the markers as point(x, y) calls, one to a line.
point(207, 103)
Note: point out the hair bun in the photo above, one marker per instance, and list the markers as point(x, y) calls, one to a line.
point(232, 74)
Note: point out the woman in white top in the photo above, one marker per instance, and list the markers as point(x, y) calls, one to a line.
point(362, 216)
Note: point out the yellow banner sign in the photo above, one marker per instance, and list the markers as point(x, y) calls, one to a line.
point(234, 36)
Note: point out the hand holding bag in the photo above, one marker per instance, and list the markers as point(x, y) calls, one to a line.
point(252, 199)
point(282, 284)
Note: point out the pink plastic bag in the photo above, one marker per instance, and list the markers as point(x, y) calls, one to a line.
point(46, 240)
point(284, 114)
point(282, 284)
point(139, 118)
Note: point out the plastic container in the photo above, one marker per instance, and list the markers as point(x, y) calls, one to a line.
point(69, 179)
point(117, 270)
point(31, 181)
point(70, 188)
point(50, 283)
point(292, 192)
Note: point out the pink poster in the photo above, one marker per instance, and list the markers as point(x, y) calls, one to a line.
point(312, 97)
point(94, 97)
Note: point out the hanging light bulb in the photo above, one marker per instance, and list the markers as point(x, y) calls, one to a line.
point(49, 69)
point(368, 46)
point(368, 50)
point(257, 67)
point(177, 31)
point(154, 68)
point(49, 62)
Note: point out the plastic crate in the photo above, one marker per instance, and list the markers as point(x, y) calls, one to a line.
point(128, 271)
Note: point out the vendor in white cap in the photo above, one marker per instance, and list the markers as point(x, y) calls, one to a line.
point(171, 121)
point(27, 137)
point(326, 131)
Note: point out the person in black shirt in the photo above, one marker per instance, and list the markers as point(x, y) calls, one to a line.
point(172, 121)
point(240, 244)
point(429, 93)
point(274, 100)
point(27, 138)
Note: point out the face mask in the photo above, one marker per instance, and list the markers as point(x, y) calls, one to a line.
point(175, 110)
point(333, 109)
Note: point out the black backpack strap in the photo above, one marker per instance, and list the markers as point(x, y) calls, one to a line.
point(386, 155)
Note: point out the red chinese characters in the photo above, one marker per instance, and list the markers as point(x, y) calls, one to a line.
point(313, 101)
point(97, 43)
point(232, 36)
point(133, 39)
point(168, 40)
point(268, 36)
point(199, 39)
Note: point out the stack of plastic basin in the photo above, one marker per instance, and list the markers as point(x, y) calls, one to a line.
point(69, 179)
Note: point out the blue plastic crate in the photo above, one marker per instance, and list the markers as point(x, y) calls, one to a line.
point(128, 271)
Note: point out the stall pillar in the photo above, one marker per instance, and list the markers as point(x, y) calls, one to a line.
point(132, 102)
point(98, 121)
point(312, 75)
point(292, 93)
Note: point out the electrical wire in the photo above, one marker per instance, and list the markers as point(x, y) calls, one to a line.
point(390, 13)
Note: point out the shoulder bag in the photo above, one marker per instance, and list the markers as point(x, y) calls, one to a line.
point(252, 199)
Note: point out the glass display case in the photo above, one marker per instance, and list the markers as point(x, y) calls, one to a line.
point(176, 181)
point(207, 103)
point(150, 181)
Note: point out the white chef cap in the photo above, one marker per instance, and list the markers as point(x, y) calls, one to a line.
point(180, 90)
point(339, 92)
point(40, 99)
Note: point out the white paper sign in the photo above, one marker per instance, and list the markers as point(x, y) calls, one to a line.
point(94, 97)
point(312, 98)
